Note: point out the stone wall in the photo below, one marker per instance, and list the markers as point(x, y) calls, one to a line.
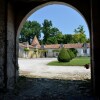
point(11, 45)
point(8, 62)
point(2, 44)
point(95, 28)
point(9, 42)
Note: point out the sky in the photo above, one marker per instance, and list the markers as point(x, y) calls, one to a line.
point(65, 18)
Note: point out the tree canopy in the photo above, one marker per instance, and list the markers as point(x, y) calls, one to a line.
point(29, 30)
point(51, 34)
point(80, 29)
point(46, 30)
point(79, 36)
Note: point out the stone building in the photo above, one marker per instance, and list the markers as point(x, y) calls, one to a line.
point(51, 50)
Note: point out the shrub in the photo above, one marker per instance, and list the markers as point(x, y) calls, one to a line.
point(74, 51)
point(35, 50)
point(72, 55)
point(26, 49)
point(63, 56)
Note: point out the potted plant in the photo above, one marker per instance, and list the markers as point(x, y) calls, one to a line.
point(26, 52)
point(26, 49)
point(86, 66)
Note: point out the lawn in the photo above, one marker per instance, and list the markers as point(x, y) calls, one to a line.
point(78, 61)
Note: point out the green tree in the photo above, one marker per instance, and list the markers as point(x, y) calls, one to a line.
point(46, 30)
point(80, 29)
point(54, 36)
point(29, 30)
point(52, 40)
point(51, 34)
point(67, 38)
point(36, 29)
point(79, 38)
point(88, 40)
point(54, 31)
point(59, 37)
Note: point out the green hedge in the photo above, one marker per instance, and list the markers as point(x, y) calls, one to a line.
point(71, 54)
point(64, 56)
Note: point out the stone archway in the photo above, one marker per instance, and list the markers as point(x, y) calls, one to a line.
point(43, 5)
point(13, 12)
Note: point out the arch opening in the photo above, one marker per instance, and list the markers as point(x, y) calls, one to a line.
point(37, 8)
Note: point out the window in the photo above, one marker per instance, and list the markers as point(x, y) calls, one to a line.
point(56, 54)
point(85, 51)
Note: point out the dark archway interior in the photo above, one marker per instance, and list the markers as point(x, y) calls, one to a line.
point(12, 14)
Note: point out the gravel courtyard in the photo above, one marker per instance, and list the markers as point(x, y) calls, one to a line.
point(39, 68)
point(38, 81)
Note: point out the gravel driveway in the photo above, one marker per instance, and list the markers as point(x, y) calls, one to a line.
point(43, 82)
point(38, 67)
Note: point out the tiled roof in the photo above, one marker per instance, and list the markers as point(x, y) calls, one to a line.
point(24, 46)
point(88, 45)
point(52, 46)
point(77, 45)
point(57, 46)
point(35, 42)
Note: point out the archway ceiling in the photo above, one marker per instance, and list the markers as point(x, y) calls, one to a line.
point(25, 6)
point(29, 0)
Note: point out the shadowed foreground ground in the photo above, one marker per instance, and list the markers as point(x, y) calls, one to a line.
point(50, 89)
point(38, 81)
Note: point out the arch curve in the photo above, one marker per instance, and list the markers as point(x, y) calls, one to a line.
point(46, 4)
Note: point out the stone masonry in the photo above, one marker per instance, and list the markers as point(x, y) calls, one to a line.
point(13, 14)
point(2, 44)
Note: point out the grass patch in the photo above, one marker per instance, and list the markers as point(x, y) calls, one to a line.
point(78, 61)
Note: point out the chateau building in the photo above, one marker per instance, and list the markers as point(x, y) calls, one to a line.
point(52, 50)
